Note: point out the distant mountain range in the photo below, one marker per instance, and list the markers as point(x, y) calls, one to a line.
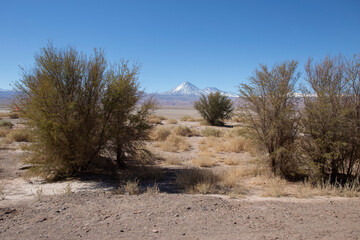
point(186, 93)
point(189, 89)
point(6, 96)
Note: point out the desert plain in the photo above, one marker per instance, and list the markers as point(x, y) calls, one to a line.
point(201, 182)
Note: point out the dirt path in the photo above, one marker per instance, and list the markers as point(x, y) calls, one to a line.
point(177, 216)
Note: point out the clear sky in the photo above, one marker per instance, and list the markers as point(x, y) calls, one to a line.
point(206, 42)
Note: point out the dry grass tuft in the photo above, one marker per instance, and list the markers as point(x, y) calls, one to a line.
point(172, 121)
point(232, 161)
point(4, 132)
point(6, 124)
point(173, 160)
point(182, 131)
point(160, 133)
point(204, 159)
point(236, 145)
point(154, 120)
point(175, 143)
point(196, 180)
point(4, 115)
point(211, 132)
point(153, 190)
point(131, 187)
point(18, 135)
point(187, 118)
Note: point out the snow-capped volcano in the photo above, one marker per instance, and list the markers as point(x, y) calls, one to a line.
point(186, 89)
point(189, 89)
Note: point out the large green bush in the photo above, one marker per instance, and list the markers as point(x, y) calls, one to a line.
point(76, 107)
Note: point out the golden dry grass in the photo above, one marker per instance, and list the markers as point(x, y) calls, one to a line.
point(4, 132)
point(153, 190)
point(182, 131)
point(172, 121)
point(18, 135)
point(196, 180)
point(211, 132)
point(160, 133)
point(175, 143)
point(205, 159)
point(131, 187)
point(4, 115)
point(187, 118)
point(173, 160)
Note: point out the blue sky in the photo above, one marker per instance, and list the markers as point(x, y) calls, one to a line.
point(206, 42)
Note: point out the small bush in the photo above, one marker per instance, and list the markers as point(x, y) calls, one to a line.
point(19, 135)
point(207, 132)
point(182, 131)
point(175, 143)
point(172, 121)
point(161, 133)
point(6, 124)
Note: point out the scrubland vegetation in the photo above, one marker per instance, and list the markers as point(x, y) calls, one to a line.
point(271, 143)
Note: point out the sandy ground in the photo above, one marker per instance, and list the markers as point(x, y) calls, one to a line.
point(90, 209)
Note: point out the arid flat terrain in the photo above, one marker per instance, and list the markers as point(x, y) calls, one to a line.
point(232, 196)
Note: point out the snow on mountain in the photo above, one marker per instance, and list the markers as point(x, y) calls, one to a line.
point(189, 89)
point(186, 89)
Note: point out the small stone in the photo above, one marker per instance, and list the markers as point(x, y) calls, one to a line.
point(183, 234)
point(188, 208)
point(176, 215)
point(155, 231)
point(234, 222)
point(248, 217)
point(121, 230)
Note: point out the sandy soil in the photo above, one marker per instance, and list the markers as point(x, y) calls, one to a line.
point(177, 216)
point(91, 210)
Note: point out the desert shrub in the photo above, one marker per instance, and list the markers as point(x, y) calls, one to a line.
point(207, 132)
point(154, 120)
point(175, 143)
point(214, 108)
point(19, 135)
point(172, 121)
point(232, 161)
point(269, 109)
point(194, 179)
point(6, 124)
point(161, 133)
point(78, 106)
point(331, 118)
point(182, 131)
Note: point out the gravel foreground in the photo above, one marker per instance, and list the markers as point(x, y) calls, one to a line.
point(94, 215)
